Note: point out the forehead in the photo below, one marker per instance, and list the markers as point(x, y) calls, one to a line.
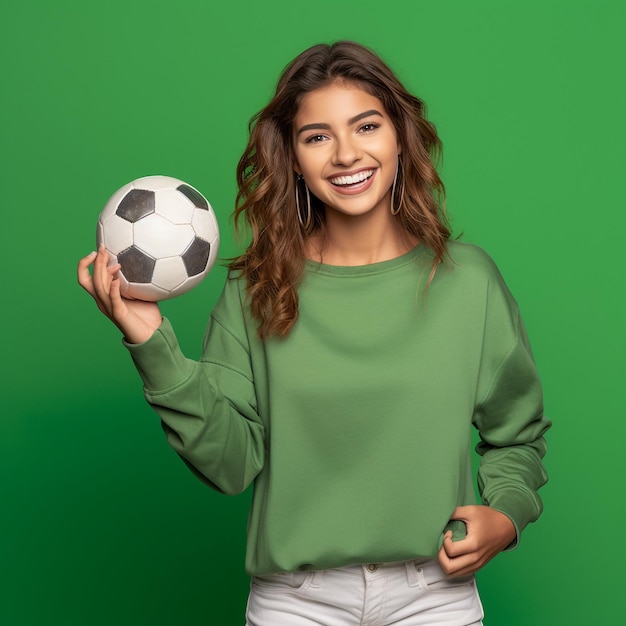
point(336, 103)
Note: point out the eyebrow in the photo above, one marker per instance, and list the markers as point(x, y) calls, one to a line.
point(351, 121)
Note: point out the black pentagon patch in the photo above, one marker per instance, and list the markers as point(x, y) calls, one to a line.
point(137, 266)
point(196, 197)
point(137, 203)
point(196, 256)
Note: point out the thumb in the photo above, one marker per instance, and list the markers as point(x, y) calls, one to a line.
point(456, 529)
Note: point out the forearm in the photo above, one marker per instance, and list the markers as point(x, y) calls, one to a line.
point(207, 410)
point(223, 441)
point(509, 479)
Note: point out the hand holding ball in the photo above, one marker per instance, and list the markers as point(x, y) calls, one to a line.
point(163, 233)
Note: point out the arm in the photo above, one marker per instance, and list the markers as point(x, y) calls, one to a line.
point(509, 418)
point(207, 408)
point(511, 424)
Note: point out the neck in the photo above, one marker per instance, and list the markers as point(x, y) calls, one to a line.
point(362, 240)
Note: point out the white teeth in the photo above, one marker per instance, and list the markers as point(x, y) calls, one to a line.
point(359, 177)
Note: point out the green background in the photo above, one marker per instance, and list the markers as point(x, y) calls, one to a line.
point(100, 522)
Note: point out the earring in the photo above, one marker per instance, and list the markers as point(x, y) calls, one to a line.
point(306, 223)
point(396, 210)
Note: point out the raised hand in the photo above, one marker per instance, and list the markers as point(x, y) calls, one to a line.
point(488, 533)
point(135, 318)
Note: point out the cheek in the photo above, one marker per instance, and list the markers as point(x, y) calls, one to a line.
point(389, 147)
point(311, 163)
point(390, 158)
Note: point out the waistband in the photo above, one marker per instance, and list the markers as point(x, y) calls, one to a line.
point(417, 571)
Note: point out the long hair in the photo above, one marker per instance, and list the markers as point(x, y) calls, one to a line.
point(274, 261)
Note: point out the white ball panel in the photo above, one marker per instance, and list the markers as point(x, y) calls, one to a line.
point(204, 224)
point(169, 273)
point(154, 183)
point(147, 291)
point(215, 244)
point(118, 234)
point(99, 234)
point(190, 283)
point(174, 206)
point(159, 238)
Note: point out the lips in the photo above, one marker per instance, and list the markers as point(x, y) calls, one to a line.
point(352, 180)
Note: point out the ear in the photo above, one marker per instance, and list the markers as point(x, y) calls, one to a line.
point(296, 168)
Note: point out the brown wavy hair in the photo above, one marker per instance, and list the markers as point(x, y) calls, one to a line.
point(273, 262)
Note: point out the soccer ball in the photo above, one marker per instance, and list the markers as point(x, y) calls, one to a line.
point(164, 234)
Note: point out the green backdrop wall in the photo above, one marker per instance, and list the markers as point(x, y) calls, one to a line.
point(100, 523)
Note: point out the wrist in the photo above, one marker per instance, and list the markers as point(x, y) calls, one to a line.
point(506, 527)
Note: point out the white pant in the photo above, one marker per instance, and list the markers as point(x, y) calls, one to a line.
point(412, 593)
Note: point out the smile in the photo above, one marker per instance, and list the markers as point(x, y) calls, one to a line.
point(354, 179)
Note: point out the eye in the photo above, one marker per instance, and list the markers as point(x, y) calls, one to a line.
point(369, 127)
point(315, 139)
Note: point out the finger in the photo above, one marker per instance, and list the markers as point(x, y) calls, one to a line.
point(102, 257)
point(83, 275)
point(114, 269)
point(457, 548)
point(108, 270)
point(466, 571)
point(446, 554)
point(86, 261)
point(448, 565)
point(117, 303)
point(470, 567)
point(460, 565)
point(101, 276)
point(444, 559)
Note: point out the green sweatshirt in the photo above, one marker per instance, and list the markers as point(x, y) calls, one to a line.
point(356, 429)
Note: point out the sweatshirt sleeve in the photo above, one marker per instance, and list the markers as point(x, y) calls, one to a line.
point(208, 408)
point(509, 414)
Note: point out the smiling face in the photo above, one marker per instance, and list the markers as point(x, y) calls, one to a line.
point(347, 149)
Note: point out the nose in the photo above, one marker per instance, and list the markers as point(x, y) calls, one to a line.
point(346, 150)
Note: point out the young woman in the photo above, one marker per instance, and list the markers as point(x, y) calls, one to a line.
point(352, 349)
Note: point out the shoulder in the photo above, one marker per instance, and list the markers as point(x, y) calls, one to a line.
point(471, 267)
point(229, 317)
point(233, 292)
point(468, 264)
point(469, 257)
point(229, 309)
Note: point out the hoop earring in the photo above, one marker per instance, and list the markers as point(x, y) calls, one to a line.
point(396, 210)
point(306, 223)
